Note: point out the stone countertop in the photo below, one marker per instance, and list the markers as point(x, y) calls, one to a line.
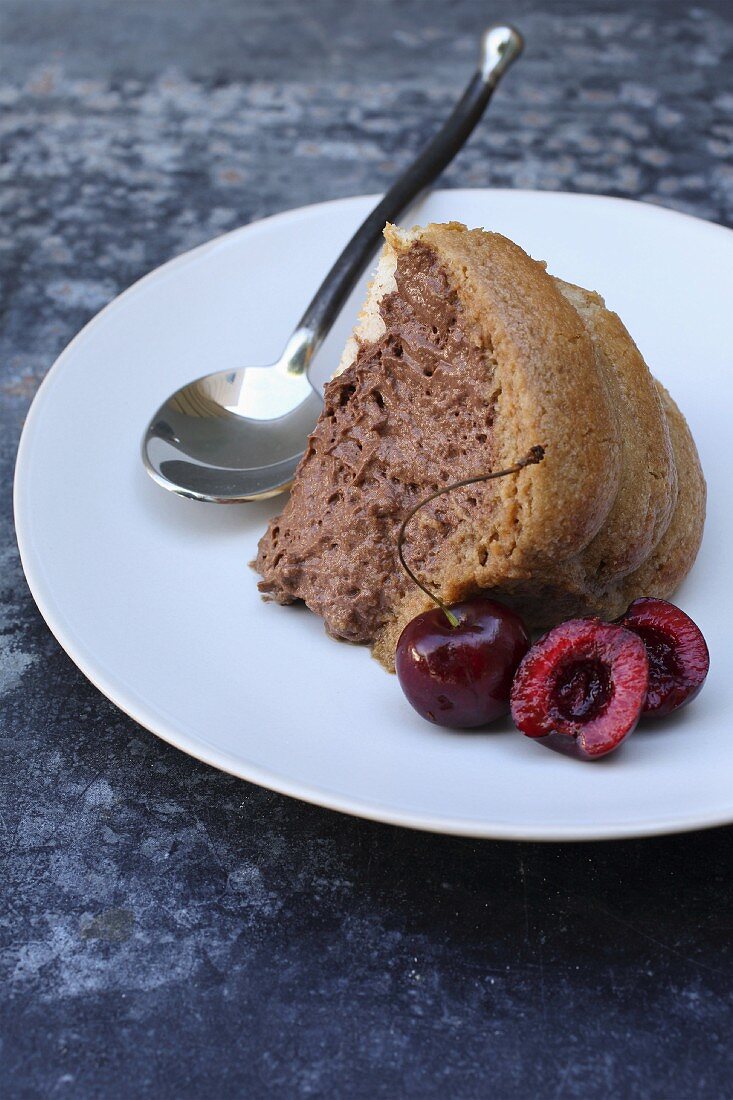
point(170, 931)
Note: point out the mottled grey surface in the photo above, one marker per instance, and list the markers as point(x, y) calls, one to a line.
point(169, 931)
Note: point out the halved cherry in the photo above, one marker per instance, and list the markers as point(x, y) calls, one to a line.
point(581, 688)
point(677, 652)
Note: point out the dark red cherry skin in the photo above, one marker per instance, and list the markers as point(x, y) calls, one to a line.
point(461, 676)
point(581, 687)
point(677, 652)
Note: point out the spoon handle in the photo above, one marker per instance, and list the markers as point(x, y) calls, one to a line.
point(500, 46)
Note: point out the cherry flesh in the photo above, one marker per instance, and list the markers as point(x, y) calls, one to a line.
point(581, 688)
point(677, 652)
point(461, 676)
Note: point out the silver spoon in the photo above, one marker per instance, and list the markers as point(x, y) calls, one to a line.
point(238, 435)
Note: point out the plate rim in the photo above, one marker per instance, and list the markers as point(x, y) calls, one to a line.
point(140, 712)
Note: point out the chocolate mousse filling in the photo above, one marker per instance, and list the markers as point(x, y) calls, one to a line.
point(412, 414)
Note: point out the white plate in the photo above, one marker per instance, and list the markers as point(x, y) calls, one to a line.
point(152, 597)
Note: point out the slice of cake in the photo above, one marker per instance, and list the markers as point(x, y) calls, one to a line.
point(467, 354)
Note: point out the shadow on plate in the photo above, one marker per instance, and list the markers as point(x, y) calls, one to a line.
point(192, 519)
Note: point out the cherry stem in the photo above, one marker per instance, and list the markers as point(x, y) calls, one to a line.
point(534, 455)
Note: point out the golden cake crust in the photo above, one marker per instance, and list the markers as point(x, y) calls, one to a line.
point(544, 365)
point(675, 553)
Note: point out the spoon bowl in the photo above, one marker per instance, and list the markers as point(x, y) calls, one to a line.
point(235, 436)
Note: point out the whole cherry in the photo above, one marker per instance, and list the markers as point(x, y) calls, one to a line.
point(456, 664)
point(460, 674)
